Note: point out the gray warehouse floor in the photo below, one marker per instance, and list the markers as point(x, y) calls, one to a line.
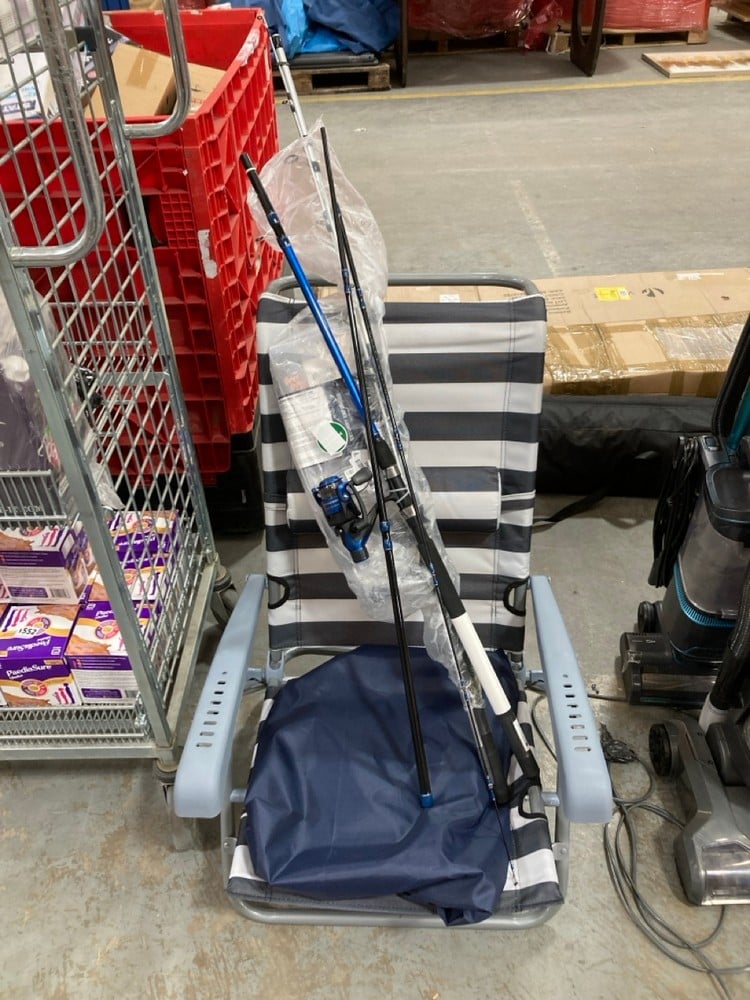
point(487, 162)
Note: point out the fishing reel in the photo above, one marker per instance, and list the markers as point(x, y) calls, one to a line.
point(345, 513)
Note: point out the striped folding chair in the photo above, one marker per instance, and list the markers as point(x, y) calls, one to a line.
point(467, 360)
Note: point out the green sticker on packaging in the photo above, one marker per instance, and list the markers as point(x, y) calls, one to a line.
point(332, 437)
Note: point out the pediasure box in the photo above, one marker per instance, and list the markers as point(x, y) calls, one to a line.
point(142, 583)
point(3, 609)
point(147, 585)
point(144, 538)
point(96, 651)
point(33, 668)
point(97, 657)
point(48, 564)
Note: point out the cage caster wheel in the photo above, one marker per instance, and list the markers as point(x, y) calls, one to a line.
point(184, 833)
point(224, 597)
point(663, 750)
point(165, 773)
point(648, 620)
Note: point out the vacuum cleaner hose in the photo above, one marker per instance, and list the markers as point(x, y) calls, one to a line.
point(736, 656)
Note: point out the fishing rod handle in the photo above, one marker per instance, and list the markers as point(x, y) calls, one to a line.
point(476, 654)
point(262, 195)
point(465, 630)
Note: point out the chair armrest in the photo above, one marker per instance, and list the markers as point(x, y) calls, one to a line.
point(584, 785)
point(203, 779)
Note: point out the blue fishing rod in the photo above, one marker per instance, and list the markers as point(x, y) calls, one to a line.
point(386, 461)
point(338, 499)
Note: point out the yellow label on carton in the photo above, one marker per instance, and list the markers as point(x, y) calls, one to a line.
point(611, 294)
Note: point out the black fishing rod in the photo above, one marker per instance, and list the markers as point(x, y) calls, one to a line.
point(425, 794)
point(468, 684)
point(484, 740)
point(386, 461)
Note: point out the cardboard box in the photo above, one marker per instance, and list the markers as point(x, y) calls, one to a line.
point(25, 83)
point(48, 564)
point(97, 657)
point(621, 298)
point(203, 81)
point(653, 333)
point(145, 81)
point(33, 668)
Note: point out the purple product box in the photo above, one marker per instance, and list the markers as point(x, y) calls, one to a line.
point(33, 669)
point(145, 536)
point(50, 545)
point(143, 585)
point(3, 609)
point(97, 657)
point(44, 564)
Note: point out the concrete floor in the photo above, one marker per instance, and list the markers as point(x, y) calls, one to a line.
point(487, 162)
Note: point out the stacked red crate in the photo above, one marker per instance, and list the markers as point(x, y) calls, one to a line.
point(212, 269)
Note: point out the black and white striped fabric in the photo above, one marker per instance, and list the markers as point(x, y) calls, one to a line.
point(468, 376)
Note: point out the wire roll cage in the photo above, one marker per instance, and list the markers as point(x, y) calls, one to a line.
point(78, 275)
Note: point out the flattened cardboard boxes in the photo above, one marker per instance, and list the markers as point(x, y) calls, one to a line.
point(666, 332)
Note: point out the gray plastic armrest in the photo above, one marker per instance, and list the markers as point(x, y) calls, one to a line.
point(584, 785)
point(202, 782)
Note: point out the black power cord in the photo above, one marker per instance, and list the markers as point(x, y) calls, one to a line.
point(621, 852)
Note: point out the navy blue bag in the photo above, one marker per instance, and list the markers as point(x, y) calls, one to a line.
point(332, 802)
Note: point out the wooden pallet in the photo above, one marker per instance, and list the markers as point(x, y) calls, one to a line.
point(339, 79)
point(560, 40)
point(736, 10)
point(439, 44)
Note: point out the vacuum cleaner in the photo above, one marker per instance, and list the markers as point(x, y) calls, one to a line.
point(692, 649)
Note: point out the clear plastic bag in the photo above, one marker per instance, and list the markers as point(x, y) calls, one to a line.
point(328, 443)
point(327, 440)
point(22, 419)
point(295, 180)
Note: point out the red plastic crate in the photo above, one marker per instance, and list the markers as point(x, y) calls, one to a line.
point(205, 241)
point(196, 201)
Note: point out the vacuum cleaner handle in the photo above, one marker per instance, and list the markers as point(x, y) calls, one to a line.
point(731, 416)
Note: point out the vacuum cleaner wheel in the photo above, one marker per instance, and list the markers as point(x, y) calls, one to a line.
point(648, 618)
point(662, 748)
